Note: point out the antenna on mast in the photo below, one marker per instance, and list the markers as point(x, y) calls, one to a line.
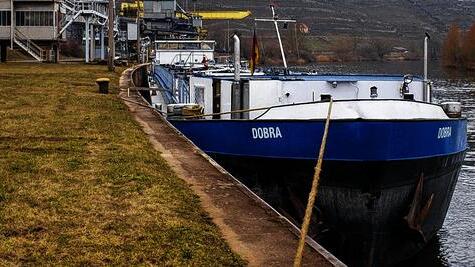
point(275, 19)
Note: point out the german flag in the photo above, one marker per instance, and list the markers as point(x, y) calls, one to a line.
point(255, 54)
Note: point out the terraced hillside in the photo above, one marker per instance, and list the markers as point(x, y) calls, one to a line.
point(406, 19)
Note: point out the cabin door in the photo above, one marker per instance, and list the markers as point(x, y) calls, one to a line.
point(245, 99)
point(240, 100)
point(216, 98)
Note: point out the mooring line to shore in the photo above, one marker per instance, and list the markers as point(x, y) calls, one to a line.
point(313, 192)
point(140, 104)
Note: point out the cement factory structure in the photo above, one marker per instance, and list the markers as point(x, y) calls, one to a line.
point(38, 28)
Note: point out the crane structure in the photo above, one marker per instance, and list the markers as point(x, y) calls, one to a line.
point(161, 20)
point(217, 15)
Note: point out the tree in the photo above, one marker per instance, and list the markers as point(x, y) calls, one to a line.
point(381, 47)
point(343, 48)
point(468, 47)
point(451, 50)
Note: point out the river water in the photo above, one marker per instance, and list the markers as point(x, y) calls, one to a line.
point(455, 243)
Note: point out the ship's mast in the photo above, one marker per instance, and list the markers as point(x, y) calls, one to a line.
point(276, 20)
point(427, 85)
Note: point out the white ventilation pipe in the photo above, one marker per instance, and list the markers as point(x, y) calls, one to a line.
point(237, 58)
point(427, 89)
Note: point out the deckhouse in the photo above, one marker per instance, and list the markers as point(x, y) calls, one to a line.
point(219, 94)
point(169, 52)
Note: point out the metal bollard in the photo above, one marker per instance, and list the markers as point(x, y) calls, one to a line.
point(103, 85)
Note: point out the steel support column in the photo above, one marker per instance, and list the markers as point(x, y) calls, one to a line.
point(93, 43)
point(12, 23)
point(86, 44)
point(102, 43)
point(111, 51)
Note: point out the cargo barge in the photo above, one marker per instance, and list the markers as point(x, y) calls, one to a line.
point(392, 159)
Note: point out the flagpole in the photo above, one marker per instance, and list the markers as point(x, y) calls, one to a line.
point(255, 53)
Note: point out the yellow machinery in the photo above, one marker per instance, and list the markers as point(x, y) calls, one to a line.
point(216, 15)
point(130, 9)
point(213, 15)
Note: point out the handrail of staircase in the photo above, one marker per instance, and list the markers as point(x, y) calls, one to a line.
point(191, 53)
point(70, 22)
point(29, 44)
point(83, 7)
point(72, 4)
point(185, 61)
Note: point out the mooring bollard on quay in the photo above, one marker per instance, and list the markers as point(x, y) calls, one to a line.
point(103, 85)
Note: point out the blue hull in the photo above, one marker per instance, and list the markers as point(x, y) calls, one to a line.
point(369, 176)
point(348, 140)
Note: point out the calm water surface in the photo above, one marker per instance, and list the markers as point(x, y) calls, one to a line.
point(455, 243)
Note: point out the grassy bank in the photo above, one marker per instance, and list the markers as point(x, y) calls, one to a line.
point(80, 184)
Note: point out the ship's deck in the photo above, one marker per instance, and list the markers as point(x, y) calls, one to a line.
point(319, 77)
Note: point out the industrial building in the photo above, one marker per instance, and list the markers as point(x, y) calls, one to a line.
point(37, 27)
point(30, 25)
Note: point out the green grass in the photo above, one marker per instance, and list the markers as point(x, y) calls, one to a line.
point(81, 185)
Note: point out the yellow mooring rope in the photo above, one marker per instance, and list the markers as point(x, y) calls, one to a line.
point(313, 192)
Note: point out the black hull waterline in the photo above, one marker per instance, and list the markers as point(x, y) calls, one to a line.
point(370, 213)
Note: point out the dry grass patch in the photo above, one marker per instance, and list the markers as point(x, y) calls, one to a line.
point(81, 185)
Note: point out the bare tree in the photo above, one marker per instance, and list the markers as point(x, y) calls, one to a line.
point(451, 50)
point(381, 47)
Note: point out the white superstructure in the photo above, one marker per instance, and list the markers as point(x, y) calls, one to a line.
point(184, 52)
point(221, 95)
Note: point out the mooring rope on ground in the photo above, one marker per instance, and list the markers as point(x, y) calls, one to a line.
point(313, 192)
point(141, 104)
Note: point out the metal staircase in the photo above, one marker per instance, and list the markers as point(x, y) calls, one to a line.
point(89, 12)
point(29, 46)
point(81, 10)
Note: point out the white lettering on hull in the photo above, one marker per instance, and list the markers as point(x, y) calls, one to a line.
point(444, 132)
point(266, 133)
